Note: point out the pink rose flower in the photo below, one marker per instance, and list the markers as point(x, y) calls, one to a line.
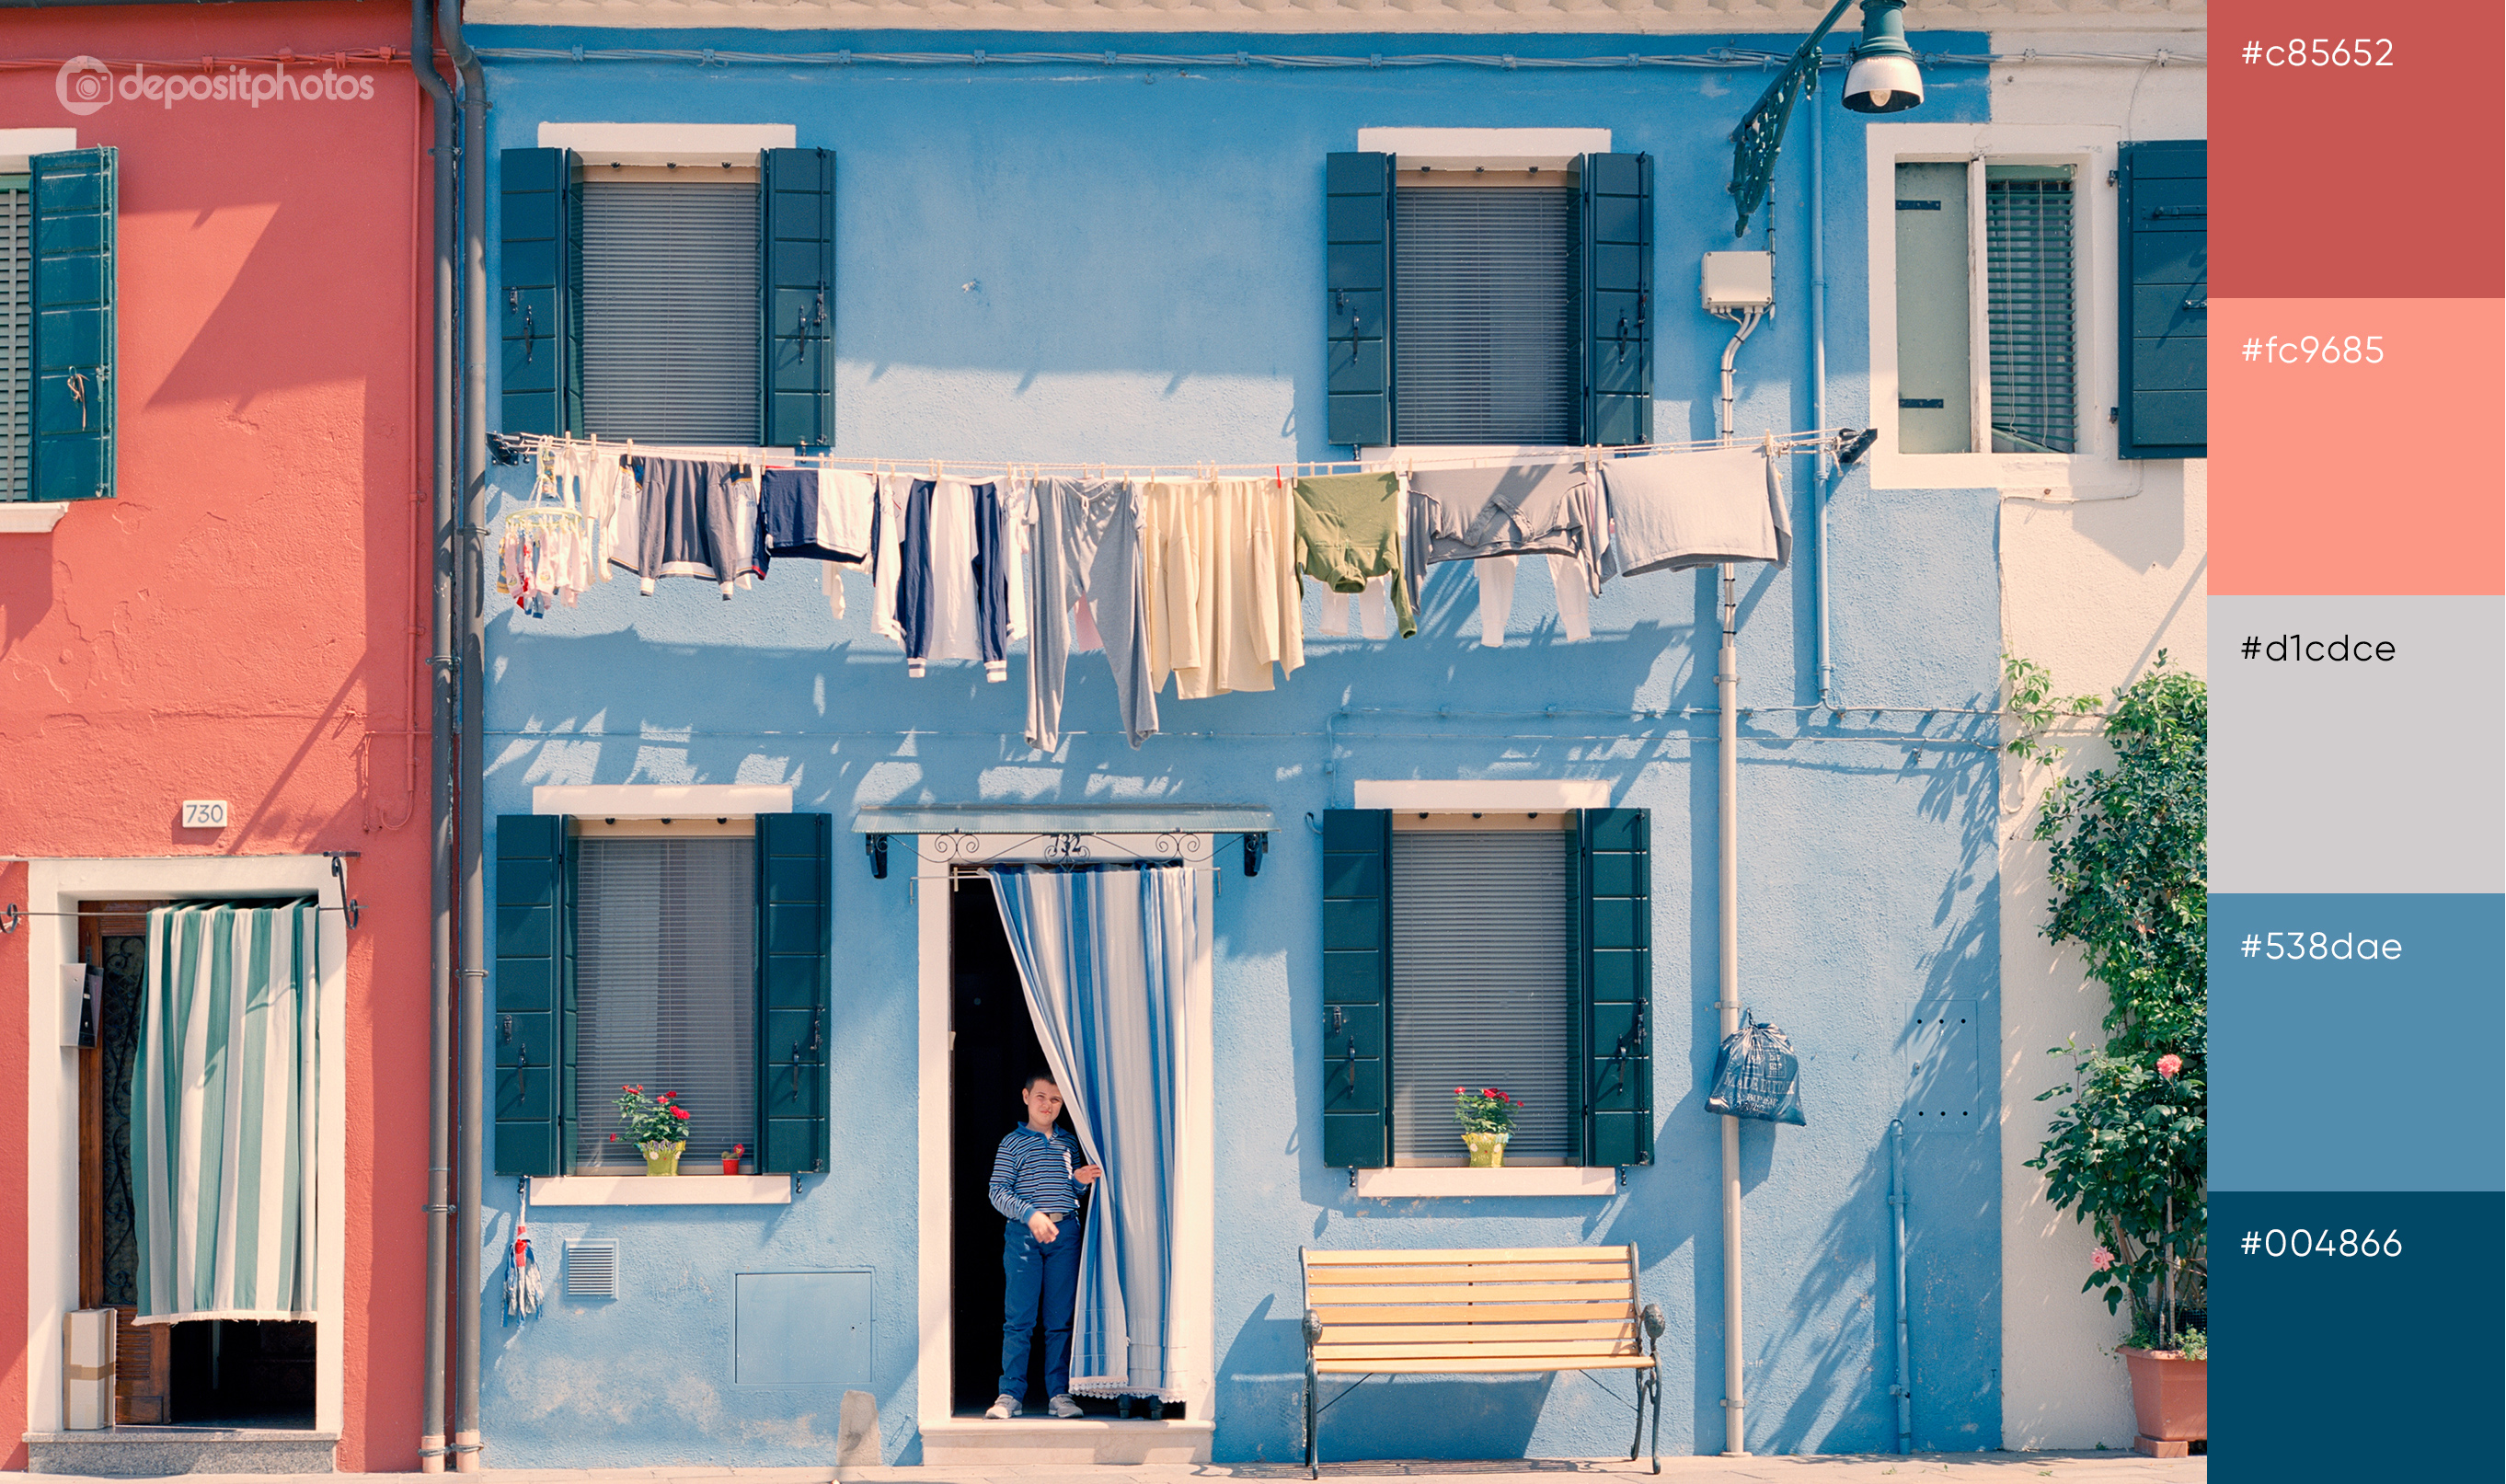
point(2101, 1259)
point(2169, 1065)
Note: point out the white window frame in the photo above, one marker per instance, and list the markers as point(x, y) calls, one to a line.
point(696, 805)
point(2092, 151)
point(1463, 149)
point(1485, 796)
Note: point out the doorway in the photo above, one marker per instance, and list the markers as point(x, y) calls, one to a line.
point(992, 1050)
point(205, 1373)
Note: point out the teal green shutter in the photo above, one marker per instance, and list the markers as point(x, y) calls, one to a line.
point(2165, 400)
point(795, 923)
point(1357, 253)
point(532, 1031)
point(1610, 900)
point(1357, 987)
point(74, 196)
point(1617, 226)
point(798, 283)
point(538, 284)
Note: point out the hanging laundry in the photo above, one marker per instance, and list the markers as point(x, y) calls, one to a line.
point(1348, 530)
point(1370, 611)
point(1496, 598)
point(831, 517)
point(1223, 601)
point(955, 563)
point(1089, 544)
point(1674, 510)
point(1551, 508)
point(693, 519)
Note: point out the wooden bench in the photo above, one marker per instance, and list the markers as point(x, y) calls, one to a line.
point(1462, 1310)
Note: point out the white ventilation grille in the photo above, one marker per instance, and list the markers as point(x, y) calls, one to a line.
point(591, 1269)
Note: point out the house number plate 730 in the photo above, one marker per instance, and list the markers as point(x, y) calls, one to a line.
point(204, 814)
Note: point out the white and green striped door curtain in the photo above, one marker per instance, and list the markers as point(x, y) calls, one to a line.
point(223, 1099)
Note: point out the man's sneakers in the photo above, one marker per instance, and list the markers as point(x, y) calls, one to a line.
point(1003, 1408)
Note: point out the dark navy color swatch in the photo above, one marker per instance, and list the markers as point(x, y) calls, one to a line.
point(2326, 1363)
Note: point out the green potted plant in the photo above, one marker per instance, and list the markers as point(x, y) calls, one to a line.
point(655, 1126)
point(2129, 1152)
point(1486, 1117)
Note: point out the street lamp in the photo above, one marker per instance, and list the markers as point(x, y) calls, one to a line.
point(1883, 78)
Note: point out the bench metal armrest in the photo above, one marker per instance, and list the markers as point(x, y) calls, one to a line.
point(1313, 1328)
point(1653, 1323)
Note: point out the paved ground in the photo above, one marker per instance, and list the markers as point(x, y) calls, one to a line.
point(1825, 1468)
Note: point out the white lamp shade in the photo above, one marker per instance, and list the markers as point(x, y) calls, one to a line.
point(1884, 85)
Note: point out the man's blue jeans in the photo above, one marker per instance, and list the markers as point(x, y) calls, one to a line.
point(1041, 1278)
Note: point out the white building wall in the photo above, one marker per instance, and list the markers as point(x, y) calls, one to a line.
point(2092, 589)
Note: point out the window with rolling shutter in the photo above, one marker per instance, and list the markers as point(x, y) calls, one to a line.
point(670, 310)
point(666, 988)
point(2028, 234)
point(17, 335)
point(1484, 343)
point(1483, 989)
point(1457, 954)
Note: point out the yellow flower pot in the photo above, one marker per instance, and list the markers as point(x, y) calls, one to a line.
point(1488, 1150)
point(662, 1158)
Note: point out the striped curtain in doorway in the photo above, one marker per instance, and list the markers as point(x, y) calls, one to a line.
point(223, 1099)
point(1103, 952)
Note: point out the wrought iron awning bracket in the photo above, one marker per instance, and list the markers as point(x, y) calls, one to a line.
point(1760, 135)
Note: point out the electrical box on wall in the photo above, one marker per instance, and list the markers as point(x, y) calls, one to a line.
point(1739, 281)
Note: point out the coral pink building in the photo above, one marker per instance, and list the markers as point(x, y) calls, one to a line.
point(214, 590)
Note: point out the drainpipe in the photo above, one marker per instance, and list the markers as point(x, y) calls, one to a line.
point(1821, 470)
point(1904, 1390)
point(1727, 781)
point(466, 1288)
point(439, 1067)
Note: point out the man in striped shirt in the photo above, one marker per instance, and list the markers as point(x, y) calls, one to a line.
point(1035, 1184)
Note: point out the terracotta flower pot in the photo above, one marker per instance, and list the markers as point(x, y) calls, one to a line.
point(1488, 1150)
point(2170, 1402)
point(662, 1158)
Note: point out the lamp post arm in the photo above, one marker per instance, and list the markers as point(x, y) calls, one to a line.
point(1759, 133)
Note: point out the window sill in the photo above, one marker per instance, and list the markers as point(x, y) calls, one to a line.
point(1455, 1180)
point(31, 517)
point(667, 1190)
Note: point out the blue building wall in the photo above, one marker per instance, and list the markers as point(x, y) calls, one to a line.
point(1125, 263)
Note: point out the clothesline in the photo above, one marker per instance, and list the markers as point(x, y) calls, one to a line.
point(1813, 441)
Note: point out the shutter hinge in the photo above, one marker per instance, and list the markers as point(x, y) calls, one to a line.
point(2114, 177)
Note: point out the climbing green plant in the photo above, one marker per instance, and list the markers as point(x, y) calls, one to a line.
point(2129, 866)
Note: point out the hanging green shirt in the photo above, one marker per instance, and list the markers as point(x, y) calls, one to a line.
point(1348, 530)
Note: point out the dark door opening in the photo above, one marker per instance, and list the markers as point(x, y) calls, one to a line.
point(992, 1048)
point(210, 1372)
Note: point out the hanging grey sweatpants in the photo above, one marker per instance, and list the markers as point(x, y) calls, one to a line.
point(1088, 545)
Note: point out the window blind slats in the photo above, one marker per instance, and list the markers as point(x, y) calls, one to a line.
point(1485, 336)
point(2027, 242)
point(670, 310)
point(17, 332)
point(1482, 988)
point(665, 987)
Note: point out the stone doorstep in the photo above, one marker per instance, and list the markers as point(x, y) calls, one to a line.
point(980, 1443)
point(155, 1451)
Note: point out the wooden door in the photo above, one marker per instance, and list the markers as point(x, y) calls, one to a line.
point(115, 935)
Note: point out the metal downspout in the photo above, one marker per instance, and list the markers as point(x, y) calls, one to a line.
point(1904, 1390)
point(467, 1288)
point(440, 663)
point(1727, 854)
point(1821, 465)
